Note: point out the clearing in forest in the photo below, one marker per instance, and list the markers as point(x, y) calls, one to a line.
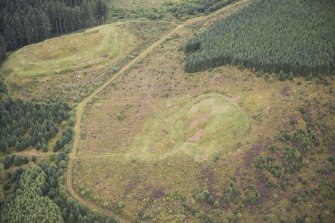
point(159, 144)
point(70, 52)
point(201, 128)
point(69, 67)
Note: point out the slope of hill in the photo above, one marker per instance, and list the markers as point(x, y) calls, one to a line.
point(68, 67)
point(135, 138)
point(69, 52)
point(26, 22)
point(289, 36)
point(149, 148)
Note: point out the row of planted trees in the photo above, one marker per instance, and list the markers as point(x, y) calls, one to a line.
point(271, 36)
point(24, 22)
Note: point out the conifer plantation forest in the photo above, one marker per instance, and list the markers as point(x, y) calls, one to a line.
point(167, 111)
point(24, 22)
point(282, 36)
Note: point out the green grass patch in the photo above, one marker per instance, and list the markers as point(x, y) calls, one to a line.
point(201, 128)
point(68, 53)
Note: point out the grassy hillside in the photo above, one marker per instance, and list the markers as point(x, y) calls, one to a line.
point(153, 143)
point(202, 128)
point(69, 52)
point(67, 68)
point(161, 145)
point(273, 36)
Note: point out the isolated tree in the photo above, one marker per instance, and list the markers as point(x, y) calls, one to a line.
point(45, 148)
point(71, 218)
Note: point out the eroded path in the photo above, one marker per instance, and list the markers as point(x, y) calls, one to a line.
point(81, 106)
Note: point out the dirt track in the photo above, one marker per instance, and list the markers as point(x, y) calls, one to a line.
point(82, 105)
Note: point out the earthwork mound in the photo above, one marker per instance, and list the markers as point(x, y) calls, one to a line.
point(203, 127)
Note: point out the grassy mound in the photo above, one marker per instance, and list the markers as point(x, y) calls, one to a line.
point(281, 36)
point(68, 53)
point(203, 127)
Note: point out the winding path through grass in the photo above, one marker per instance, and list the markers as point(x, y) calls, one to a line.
point(81, 106)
